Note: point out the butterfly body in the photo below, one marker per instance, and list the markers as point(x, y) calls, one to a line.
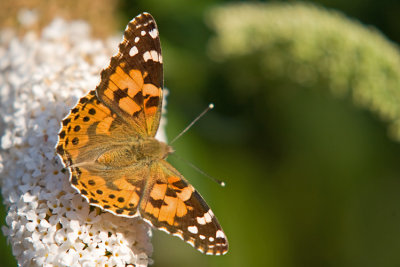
point(108, 143)
point(138, 152)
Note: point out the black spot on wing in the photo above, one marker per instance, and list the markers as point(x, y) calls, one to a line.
point(153, 101)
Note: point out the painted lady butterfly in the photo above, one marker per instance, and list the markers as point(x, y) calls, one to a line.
point(107, 142)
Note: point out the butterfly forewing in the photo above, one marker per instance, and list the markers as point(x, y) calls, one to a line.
point(107, 143)
point(132, 84)
point(90, 129)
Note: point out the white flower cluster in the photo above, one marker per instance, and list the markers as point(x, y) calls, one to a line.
point(48, 223)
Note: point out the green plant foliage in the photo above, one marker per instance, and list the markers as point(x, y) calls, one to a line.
point(305, 46)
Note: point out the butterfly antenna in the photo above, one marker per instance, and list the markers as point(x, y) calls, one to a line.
point(220, 182)
point(210, 106)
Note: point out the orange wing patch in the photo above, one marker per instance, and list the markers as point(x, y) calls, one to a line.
point(132, 83)
point(88, 118)
point(152, 101)
point(129, 96)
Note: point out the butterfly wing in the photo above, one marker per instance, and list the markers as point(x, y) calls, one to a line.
point(171, 204)
point(125, 106)
point(90, 131)
point(116, 190)
point(132, 84)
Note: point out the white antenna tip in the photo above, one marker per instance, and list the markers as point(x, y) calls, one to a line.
point(211, 105)
point(223, 184)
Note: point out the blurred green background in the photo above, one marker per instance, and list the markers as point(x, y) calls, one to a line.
point(304, 130)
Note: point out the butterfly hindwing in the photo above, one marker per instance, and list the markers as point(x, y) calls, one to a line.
point(117, 190)
point(132, 84)
point(171, 204)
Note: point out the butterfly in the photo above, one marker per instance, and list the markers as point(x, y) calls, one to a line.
point(107, 141)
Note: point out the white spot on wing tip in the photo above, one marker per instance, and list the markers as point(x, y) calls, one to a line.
point(133, 51)
point(208, 217)
point(146, 56)
point(143, 33)
point(137, 39)
point(153, 33)
point(220, 234)
point(201, 220)
point(193, 229)
point(154, 55)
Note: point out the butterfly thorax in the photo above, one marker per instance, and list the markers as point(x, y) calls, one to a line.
point(140, 150)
